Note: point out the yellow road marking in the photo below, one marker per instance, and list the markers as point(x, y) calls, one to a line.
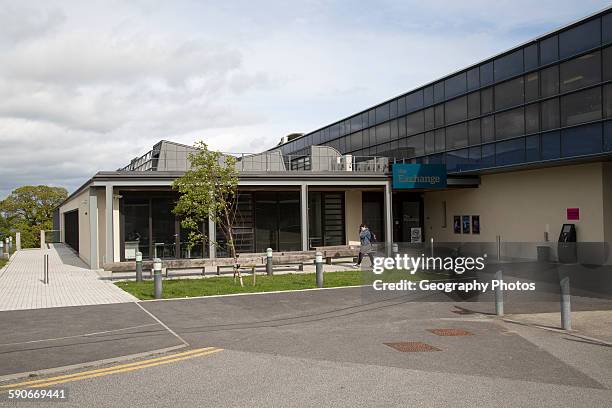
point(115, 369)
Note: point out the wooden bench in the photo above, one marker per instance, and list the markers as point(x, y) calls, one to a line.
point(338, 251)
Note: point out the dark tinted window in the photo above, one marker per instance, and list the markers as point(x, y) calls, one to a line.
point(355, 123)
point(551, 146)
point(394, 130)
point(473, 79)
point(416, 144)
point(580, 72)
point(509, 124)
point(393, 108)
point(401, 128)
point(456, 110)
point(382, 113)
point(549, 51)
point(428, 95)
point(508, 65)
point(473, 104)
point(607, 64)
point(457, 160)
point(510, 152)
point(550, 114)
point(532, 86)
point(474, 155)
point(474, 132)
point(414, 123)
point(414, 101)
point(581, 140)
point(429, 142)
point(580, 107)
point(372, 117)
point(487, 131)
point(334, 131)
point(383, 133)
point(486, 100)
point(580, 38)
point(531, 57)
point(429, 119)
point(532, 148)
point(488, 155)
point(455, 85)
point(356, 141)
point(439, 113)
point(608, 101)
point(549, 81)
point(486, 74)
point(438, 92)
point(364, 120)
point(532, 118)
point(509, 93)
point(608, 136)
point(456, 136)
point(440, 142)
point(606, 23)
point(401, 105)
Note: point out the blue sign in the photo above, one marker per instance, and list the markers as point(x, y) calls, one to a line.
point(427, 176)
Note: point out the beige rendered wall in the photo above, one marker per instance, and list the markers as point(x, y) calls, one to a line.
point(79, 202)
point(353, 216)
point(607, 200)
point(519, 206)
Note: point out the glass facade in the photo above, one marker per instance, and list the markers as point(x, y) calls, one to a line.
point(546, 100)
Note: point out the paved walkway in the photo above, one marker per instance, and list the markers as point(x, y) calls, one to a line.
point(71, 283)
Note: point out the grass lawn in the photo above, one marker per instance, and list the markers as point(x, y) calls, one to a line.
point(223, 285)
point(3, 262)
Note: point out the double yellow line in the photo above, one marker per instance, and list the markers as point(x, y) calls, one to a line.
point(123, 368)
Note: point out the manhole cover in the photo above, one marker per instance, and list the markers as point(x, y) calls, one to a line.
point(412, 346)
point(450, 332)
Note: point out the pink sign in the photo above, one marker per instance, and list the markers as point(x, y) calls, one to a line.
point(573, 214)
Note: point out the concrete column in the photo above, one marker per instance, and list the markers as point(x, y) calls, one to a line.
point(304, 215)
point(212, 238)
point(93, 229)
point(42, 239)
point(109, 224)
point(388, 219)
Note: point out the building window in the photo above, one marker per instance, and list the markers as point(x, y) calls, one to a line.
point(439, 114)
point(455, 85)
point(473, 105)
point(509, 65)
point(416, 144)
point(608, 100)
point(549, 50)
point(531, 57)
point(532, 148)
point(382, 113)
point(488, 155)
point(457, 160)
point(474, 155)
point(606, 23)
point(474, 132)
point(429, 119)
point(486, 100)
point(401, 127)
point(580, 72)
point(486, 74)
point(428, 96)
point(581, 140)
point(430, 144)
point(473, 79)
point(580, 38)
point(509, 124)
point(607, 64)
point(414, 123)
point(414, 101)
point(455, 110)
point(440, 143)
point(487, 130)
point(551, 146)
point(510, 152)
point(549, 79)
point(456, 136)
point(509, 93)
point(580, 107)
point(383, 133)
point(532, 86)
point(532, 118)
point(550, 114)
point(608, 136)
point(439, 92)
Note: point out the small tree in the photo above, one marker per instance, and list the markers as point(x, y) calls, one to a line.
point(209, 190)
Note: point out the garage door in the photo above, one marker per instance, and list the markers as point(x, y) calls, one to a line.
point(71, 229)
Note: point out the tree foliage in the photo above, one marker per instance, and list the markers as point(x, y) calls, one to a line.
point(209, 190)
point(29, 209)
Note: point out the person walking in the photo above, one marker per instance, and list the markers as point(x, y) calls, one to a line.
point(365, 240)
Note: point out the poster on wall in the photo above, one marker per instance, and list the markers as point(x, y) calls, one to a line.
point(457, 224)
point(466, 224)
point(475, 224)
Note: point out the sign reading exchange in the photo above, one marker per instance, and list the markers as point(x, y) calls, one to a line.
point(407, 176)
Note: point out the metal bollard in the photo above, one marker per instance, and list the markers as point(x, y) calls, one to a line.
point(499, 295)
point(269, 262)
point(157, 277)
point(432, 247)
point(566, 309)
point(319, 269)
point(139, 266)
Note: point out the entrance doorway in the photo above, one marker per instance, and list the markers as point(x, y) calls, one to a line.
point(407, 217)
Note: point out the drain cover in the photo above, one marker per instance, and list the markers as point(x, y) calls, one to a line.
point(450, 332)
point(411, 346)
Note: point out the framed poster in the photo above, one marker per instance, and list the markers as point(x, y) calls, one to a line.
point(457, 224)
point(475, 224)
point(465, 224)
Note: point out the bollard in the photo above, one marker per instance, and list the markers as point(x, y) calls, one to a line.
point(432, 247)
point(157, 277)
point(1, 248)
point(269, 261)
point(319, 269)
point(499, 295)
point(18, 241)
point(138, 266)
point(566, 309)
point(395, 248)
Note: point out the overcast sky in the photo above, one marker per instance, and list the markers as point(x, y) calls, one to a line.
point(87, 85)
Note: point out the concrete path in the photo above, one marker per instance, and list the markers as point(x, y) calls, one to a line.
point(71, 283)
